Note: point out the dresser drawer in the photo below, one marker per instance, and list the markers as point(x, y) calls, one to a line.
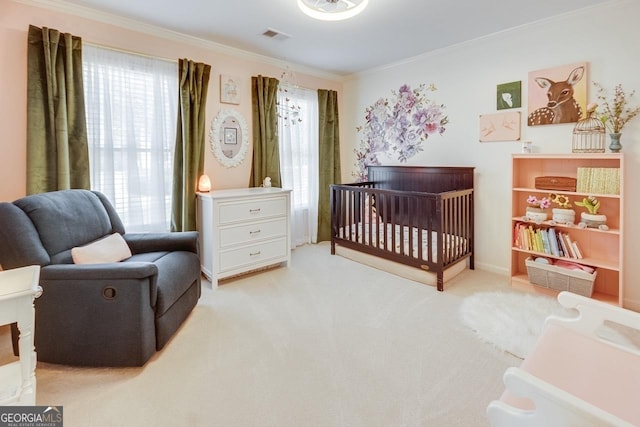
point(257, 255)
point(230, 212)
point(254, 231)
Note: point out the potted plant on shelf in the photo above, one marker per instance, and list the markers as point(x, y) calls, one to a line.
point(535, 211)
point(562, 214)
point(616, 113)
point(591, 218)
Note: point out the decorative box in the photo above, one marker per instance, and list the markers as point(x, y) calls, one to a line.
point(555, 183)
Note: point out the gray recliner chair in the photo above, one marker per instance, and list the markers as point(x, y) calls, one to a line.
point(113, 314)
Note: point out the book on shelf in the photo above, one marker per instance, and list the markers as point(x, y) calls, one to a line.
point(530, 238)
point(569, 242)
point(553, 242)
point(538, 242)
point(517, 236)
point(573, 247)
point(545, 240)
point(526, 240)
point(577, 250)
point(563, 245)
point(598, 180)
point(546, 245)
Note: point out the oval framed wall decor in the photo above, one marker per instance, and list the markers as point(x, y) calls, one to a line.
point(229, 137)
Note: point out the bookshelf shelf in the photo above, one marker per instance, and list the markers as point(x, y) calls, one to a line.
point(568, 193)
point(566, 227)
point(592, 262)
point(600, 249)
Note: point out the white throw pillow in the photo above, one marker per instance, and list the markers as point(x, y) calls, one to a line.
point(112, 248)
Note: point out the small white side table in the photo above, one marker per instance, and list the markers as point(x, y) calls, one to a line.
point(18, 288)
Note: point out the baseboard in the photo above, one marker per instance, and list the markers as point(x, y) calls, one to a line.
point(631, 304)
point(491, 268)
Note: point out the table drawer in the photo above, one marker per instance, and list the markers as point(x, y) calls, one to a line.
point(257, 254)
point(237, 211)
point(254, 231)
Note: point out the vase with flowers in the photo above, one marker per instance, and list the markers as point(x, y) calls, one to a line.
point(562, 214)
point(535, 211)
point(615, 113)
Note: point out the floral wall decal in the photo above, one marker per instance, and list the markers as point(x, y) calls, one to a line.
point(397, 126)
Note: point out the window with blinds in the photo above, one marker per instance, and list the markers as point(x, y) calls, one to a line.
point(131, 106)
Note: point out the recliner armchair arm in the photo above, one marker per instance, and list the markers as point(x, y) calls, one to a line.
point(111, 271)
point(152, 242)
point(91, 275)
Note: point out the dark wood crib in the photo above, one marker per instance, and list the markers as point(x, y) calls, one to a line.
point(416, 216)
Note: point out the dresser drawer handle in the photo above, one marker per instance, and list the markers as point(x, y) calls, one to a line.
point(254, 232)
point(254, 253)
point(254, 210)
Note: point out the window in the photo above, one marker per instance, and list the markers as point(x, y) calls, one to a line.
point(131, 103)
point(298, 144)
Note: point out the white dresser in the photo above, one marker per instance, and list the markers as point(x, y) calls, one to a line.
point(243, 230)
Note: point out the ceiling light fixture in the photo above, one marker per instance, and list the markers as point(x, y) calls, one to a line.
point(332, 10)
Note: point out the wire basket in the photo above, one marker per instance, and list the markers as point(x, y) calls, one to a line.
point(588, 136)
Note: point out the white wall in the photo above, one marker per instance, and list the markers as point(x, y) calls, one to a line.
point(466, 76)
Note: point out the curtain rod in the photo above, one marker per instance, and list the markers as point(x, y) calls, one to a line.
point(130, 52)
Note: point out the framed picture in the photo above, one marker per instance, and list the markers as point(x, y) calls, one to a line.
point(500, 127)
point(509, 95)
point(229, 89)
point(557, 95)
point(231, 136)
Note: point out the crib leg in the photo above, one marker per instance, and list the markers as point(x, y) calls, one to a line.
point(440, 281)
point(333, 247)
point(471, 262)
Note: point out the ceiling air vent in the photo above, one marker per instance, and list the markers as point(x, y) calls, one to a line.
point(275, 34)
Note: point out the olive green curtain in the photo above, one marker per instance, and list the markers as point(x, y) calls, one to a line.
point(329, 158)
point(266, 155)
point(57, 149)
point(188, 162)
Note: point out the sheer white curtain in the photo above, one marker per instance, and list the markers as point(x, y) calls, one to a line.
point(131, 103)
point(299, 162)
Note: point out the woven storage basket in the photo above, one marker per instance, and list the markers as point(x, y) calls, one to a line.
point(560, 279)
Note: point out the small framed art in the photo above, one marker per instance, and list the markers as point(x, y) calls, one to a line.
point(500, 127)
point(509, 95)
point(229, 89)
point(230, 136)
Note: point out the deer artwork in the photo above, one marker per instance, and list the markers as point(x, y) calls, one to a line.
point(562, 107)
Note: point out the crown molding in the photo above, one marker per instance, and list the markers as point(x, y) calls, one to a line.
point(157, 31)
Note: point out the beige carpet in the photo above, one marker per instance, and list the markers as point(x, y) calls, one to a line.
point(326, 342)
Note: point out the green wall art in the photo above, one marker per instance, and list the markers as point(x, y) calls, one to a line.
point(509, 95)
